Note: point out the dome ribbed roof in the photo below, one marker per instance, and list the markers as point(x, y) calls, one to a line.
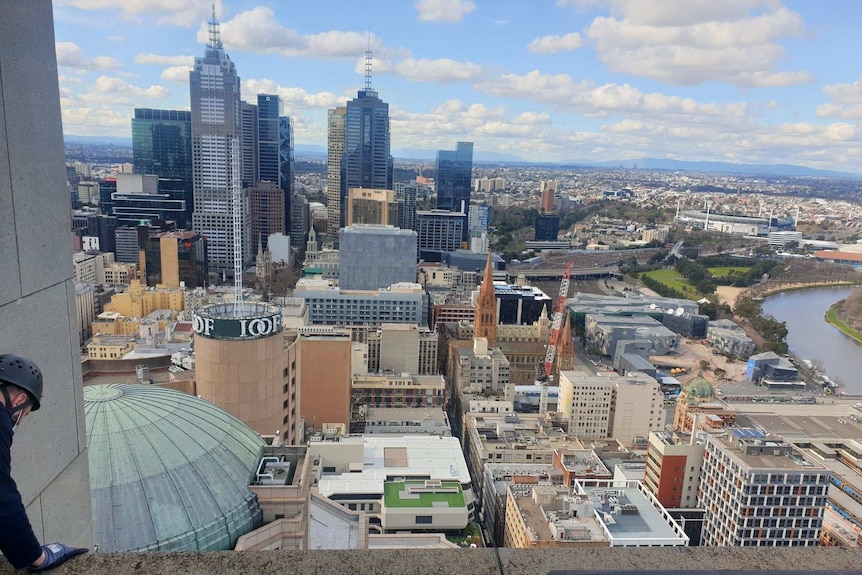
point(699, 387)
point(168, 471)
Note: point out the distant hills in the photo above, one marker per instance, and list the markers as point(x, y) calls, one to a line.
point(415, 154)
point(98, 140)
point(723, 167)
point(502, 158)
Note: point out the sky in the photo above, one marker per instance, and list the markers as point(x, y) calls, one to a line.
point(745, 81)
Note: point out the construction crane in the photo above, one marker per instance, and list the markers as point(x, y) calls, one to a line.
point(554, 339)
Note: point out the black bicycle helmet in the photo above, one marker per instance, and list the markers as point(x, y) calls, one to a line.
point(23, 373)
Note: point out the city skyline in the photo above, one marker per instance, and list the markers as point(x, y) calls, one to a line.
point(745, 81)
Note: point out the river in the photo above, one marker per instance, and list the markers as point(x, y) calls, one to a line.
point(810, 337)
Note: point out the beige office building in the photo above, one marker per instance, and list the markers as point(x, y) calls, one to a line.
point(371, 206)
point(402, 348)
point(246, 366)
point(608, 405)
point(324, 362)
point(140, 301)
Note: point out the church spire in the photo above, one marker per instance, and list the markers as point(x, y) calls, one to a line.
point(566, 347)
point(485, 316)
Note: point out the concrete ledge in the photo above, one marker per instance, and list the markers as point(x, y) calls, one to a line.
point(462, 561)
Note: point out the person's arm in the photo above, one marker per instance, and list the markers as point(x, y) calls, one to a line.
point(17, 540)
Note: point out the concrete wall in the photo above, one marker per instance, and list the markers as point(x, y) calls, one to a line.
point(473, 561)
point(38, 314)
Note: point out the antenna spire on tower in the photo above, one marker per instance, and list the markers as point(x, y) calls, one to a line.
point(215, 33)
point(368, 61)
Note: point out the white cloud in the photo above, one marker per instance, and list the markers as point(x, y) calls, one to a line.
point(292, 98)
point(846, 101)
point(258, 31)
point(178, 74)
point(689, 42)
point(443, 10)
point(94, 120)
point(171, 12)
point(118, 86)
point(160, 60)
point(64, 79)
point(441, 71)
point(70, 55)
point(585, 97)
point(554, 44)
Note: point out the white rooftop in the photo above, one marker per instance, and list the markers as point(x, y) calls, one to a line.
point(409, 456)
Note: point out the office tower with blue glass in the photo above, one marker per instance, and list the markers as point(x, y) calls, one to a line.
point(454, 170)
point(269, 164)
point(217, 155)
point(162, 146)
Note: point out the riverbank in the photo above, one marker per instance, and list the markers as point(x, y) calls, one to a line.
point(833, 320)
point(777, 288)
point(811, 337)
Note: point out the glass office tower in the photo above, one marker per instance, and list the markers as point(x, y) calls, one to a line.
point(366, 145)
point(162, 146)
point(269, 166)
point(454, 170)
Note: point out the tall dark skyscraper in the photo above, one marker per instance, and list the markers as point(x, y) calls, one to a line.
point(249, 126)
point(269, 165)
point(285, 159)
point(217, 155)
point(367, 163)
point(162, 146)
point(454, 170)
point(285, 152)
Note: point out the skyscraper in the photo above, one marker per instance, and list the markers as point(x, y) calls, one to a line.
point(367, 163)
point(162, 146)
point(269, 164)
point(217, 154)
point(267, 212)
point(336, 126)
point(406, 196)
point(285, 158)
point(454, 170)
point(249, 126)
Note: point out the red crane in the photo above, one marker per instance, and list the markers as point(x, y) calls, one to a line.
point(557, 322)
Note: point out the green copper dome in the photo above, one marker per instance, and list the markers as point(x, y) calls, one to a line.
point(168, 471)
point(699, 388)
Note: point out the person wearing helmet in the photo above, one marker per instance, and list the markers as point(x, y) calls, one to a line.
point(20, 395)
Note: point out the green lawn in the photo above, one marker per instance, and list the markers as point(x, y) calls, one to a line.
point(673, 279)
point(392, 495)
point(835, 321)
point(721, 272)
